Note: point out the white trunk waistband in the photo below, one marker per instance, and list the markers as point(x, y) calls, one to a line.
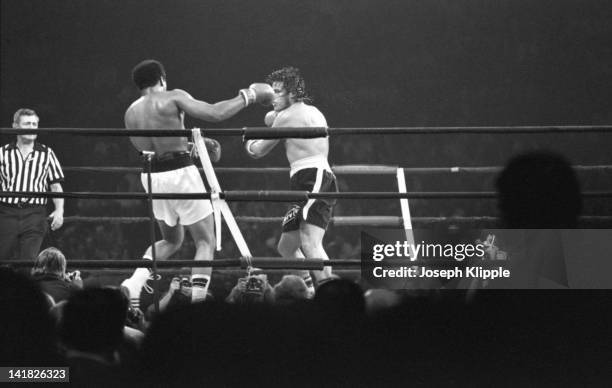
point(316, 161)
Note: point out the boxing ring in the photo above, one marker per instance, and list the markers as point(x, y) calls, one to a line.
point(218, 196)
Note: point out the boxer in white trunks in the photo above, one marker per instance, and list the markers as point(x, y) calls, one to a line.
point(173, 169)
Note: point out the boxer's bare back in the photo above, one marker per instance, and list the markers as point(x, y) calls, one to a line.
point(157, 110)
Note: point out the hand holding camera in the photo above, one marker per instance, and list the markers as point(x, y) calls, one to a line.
point(74, 277)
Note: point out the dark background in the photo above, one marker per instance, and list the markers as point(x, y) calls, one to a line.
point(366, 62)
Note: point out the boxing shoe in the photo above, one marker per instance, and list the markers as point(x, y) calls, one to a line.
point(134, 288)
point(136, 283)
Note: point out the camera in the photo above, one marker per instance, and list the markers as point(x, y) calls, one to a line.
point(133, 315)
point(185, 283)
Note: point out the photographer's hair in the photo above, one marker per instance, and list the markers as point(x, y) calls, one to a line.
point(148, 73)
point(23, 112)
point(50, 261)
point(292, 81)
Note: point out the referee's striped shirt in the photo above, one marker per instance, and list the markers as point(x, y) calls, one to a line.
point(33, 173)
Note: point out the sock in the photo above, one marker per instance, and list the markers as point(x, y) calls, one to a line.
point(199, 288)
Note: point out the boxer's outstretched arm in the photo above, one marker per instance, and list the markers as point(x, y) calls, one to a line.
point(208, 112)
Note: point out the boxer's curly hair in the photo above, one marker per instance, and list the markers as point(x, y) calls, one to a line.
point(292, 81)
point(148, 73)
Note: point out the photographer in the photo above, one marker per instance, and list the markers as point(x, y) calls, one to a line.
point(251, 289)
point(49, 272)
point(179, 294)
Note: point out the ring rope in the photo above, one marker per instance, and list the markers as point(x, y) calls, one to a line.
point(277, 195)
point(260, 262)
point(373, 221)
point(338, 170)
point(311, 132)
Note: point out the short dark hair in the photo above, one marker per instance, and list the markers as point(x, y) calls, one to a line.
point(93, 320)
point(148, 73)
point(539, 189)
point(292, 81)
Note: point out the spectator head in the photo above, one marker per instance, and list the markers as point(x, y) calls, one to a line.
point(539, 190)
point(50, 261)
point(380, 299)
point(340, 296)
point(27, 330)
point(93, 320)
point(291, 288)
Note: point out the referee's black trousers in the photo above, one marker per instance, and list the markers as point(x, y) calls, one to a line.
point(23, 228)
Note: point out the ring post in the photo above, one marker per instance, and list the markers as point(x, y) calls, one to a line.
point(148, 155)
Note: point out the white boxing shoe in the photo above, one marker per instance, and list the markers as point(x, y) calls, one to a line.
point(135, 288)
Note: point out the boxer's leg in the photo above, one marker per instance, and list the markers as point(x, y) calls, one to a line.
point(172, 239)
point(311, 237)
point(289, 246)
point(203, 234)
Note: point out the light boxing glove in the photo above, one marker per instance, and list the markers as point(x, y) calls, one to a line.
point(258, 92)
point(248, 145)
point(270, 117)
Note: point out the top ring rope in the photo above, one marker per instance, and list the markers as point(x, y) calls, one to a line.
point(311, 132)
point(355, 169)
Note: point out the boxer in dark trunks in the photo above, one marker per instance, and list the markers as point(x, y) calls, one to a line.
point(305, 224)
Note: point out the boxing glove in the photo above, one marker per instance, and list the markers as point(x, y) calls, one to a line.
point(248, 146)
point(258, 92)
point(214, 149)
point(270, 117)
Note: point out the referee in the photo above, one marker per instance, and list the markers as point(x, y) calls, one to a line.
point(26, 165)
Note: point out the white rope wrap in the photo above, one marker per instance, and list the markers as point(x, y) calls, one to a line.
point(220, 207)
point(406, 218)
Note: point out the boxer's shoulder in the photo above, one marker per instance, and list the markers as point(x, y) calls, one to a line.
point(312, 116)
point(176, 93)
point(298, 115)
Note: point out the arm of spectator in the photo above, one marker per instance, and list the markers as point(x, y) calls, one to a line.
point(175, 284)
point(235, 293)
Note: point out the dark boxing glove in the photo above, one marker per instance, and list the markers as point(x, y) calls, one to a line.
point(214, 149)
